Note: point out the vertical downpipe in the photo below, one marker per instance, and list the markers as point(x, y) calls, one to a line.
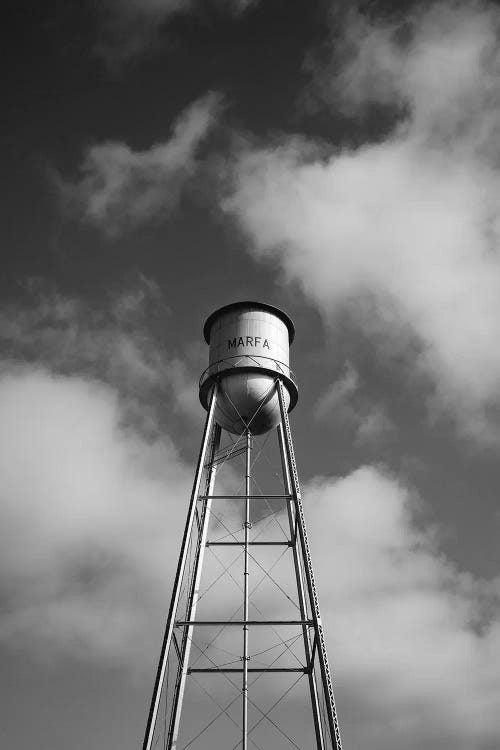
point(245, 595)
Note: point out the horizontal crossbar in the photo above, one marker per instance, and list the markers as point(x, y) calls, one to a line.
point(262, 670)
point(250, 544)
point(244, 497)
point(182, 623)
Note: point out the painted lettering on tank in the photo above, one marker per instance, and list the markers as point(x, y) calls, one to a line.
point(252, 341)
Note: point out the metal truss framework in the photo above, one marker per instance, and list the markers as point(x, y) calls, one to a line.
point(181, 622)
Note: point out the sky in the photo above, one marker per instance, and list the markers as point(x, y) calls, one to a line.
point(338, 160)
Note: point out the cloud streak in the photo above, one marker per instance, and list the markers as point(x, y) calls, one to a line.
point(114, 344)
point(344, 402)
point(132, 28)
point(121, 188)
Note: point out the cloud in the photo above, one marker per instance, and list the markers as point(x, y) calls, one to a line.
point(387, 64)
point(343, 401)
point(89, 518)
point(131, 28)
point(338, 392)
point(113, 343)
point(401, 232)
point(120, 188)
point(410, 642)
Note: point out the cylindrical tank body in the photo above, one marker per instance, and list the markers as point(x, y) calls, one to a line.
point(249, 348)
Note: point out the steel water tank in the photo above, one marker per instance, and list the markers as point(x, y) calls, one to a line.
point(249, 349)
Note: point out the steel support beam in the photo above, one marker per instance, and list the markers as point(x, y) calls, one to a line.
point(250, 497)
point(250, 544)
point(292, 520)
point(181, 566)
point(263, 670)
point(309, 574)
point(194, 589)
point(181, 623)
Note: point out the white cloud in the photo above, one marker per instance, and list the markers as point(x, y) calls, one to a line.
point(89, 517)
point(120, 187)
point(402, 233)
point(413, 653)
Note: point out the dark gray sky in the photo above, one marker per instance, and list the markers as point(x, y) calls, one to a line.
point(160, 160)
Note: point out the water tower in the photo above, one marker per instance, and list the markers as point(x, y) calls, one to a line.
point(245, 663)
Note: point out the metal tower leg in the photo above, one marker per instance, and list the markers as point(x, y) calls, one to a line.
point(246, 593)
point(181, 566)
point(309, 574)
point(301, 594)
point(192, 603)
